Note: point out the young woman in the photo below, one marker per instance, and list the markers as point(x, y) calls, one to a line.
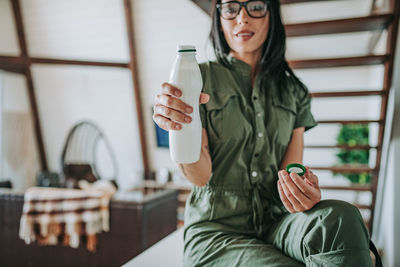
point(245, 209)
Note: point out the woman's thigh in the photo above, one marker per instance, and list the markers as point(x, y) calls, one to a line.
point(225, 249)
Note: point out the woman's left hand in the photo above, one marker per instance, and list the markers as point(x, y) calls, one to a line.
point(298, 193)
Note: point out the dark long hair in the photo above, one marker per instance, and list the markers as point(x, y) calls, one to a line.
point(273, 63)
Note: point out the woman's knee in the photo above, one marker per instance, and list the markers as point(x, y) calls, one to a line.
point(339, 210)
point(342, 222)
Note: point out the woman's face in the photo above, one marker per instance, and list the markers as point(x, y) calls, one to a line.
point(245, 34)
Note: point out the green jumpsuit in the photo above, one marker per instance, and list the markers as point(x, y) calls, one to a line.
point(238, 219)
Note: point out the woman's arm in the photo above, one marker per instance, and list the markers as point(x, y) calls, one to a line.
point(199, 172)
point(297, 193)
point(294, 151)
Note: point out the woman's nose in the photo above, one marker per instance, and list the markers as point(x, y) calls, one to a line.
point(242, 17)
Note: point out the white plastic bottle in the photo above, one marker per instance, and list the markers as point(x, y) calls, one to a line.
point(185, 144)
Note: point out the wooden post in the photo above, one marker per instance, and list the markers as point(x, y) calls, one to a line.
point(136, 85)
point(28, 76)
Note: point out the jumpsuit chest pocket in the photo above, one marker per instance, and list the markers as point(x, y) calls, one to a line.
point(226, 118)
point(283, 117)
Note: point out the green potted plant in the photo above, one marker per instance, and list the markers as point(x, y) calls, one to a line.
point(354, 135)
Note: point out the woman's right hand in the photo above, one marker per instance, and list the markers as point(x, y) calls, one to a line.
point(169, 112)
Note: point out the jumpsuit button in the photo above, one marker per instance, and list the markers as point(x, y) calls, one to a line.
point(256, 155)
point(260, 134)
point(254, 98)
point(258, 114)
point(254, 174)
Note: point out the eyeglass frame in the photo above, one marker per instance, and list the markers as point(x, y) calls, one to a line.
point(242, 4)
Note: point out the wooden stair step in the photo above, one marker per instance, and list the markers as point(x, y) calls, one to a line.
point(348, 93)
point(367, 23)
point(338, 62)
point(346, 147)
point(348, 188)
point(344, 169)
point(348, 121)
point(362, 206)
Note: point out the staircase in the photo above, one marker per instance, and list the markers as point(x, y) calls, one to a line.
point(377, 22)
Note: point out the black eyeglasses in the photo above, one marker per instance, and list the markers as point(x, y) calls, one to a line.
point(254, 8)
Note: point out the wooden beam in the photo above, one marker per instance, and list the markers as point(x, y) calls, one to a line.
point(136, 85)
point(36, 60)
point(35, 117)
point(19, 63)
point(368, 23)
point(12, 64)
point(20, 28)
point(204, 5)
point(338, 62)
point(31, 90)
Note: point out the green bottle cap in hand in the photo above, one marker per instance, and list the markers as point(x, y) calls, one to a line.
point(297, 168)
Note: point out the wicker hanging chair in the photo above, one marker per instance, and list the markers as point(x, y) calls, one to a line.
point(79, 159)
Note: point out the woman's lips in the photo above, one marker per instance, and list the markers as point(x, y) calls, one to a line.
point(244, 35)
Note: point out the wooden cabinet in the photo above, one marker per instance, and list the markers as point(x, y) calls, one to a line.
point(183, 193)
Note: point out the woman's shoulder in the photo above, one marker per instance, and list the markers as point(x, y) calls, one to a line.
point(296, 87)
point(217, 78)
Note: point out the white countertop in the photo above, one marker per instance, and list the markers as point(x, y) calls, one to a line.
point(166, 252)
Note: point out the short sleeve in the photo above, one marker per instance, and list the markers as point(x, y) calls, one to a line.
point(304, 117)
point(202, 109)
point(203, 116)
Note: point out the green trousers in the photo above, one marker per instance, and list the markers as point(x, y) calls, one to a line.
point(332, 233)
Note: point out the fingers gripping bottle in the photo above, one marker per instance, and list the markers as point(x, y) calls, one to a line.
point(185, 144)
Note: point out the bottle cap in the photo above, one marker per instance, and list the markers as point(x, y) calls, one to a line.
point(186, 48)
point(297, 168)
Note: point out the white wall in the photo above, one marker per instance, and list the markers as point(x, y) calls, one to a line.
point(8, 38)
point(386, 229)
point(388, 239)
point(20, 163)
point(76, 29)
point(1, 124)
